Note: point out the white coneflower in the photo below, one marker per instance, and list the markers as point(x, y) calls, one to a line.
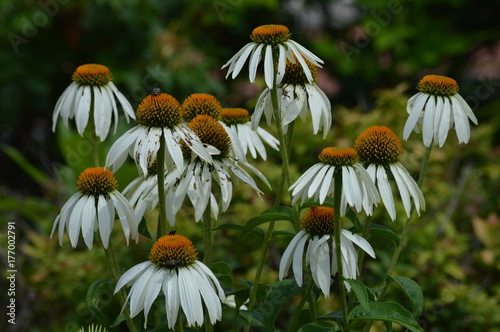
point(206, 104)
point(297, 95)
point(198, 178)
point(358, 189)
point(93, 207)
point(185, 282)
point(91, 93)
point(315, 242)
point(438, 107)
point(380, 150)
point(158, 117)
point(251, 140)
point(267, 39)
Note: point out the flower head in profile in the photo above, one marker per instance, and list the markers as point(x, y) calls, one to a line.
point(158, 118)
point(438, 108)
point(93, 328)
point(266, 40)
point(297, 95)
point(380, 150)
point(358, 189)
point(91, 94)
point(251, 140)
point(93, 208)
point(185, 282)
point(199, 177)
point(316, 243)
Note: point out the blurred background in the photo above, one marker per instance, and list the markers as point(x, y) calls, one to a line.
point(374, 53)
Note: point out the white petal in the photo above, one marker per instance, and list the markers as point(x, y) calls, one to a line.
point(269, 67)
point(415, 110)
point(359, 241)
point(254, 62)
point(286, 259)
point(386, 192)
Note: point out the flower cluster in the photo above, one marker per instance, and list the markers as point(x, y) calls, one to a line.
point(197, 150)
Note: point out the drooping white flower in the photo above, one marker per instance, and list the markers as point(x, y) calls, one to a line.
point(315, 242)
point(380, 150)
point(438, 108)
point(251, 140)
point(358, 189)
point(199, 179)
point(185, 282)
point(158, 117)
point(93, 208)
point(267, 39)
point(297, 96)
point(91, 93)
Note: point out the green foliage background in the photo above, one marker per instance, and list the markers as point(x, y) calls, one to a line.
point(374, 52)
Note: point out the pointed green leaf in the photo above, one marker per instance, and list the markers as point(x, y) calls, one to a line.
point(384, 232)
point(119, 319)
point(360, 291)
point(319, 327)
point(278, 293)
point(353, 218)
point(387, 312)
point(285, 232)
point(35, 173)
point(254, 318)
point(143, 229)
point(273, 214)
point(255, 231)
point(412, 291)
point(223, 273)
point(336, 316)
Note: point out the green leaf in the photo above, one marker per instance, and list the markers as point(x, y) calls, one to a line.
point(353, 218)
point(119, 319)
point(223, 273)
point(254, 318)
point(412, 291)
point(255, 231)
point(16, 156)
point(387, 312)
point(278, 293)
point(261, 288)
point(361, 292)
point(384, 232)
point(93, 296)
point(319, 327)
point(336, 316)
point(273, 214)
point(143, 229)
point(285, 232)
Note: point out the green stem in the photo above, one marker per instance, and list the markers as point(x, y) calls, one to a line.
point(404, 233)
point(178, 324)
point(160, 173)
point(337, 196)
point(94, 139)
point(361, 257)
point(207, 236)
point(312, 305)
point(114, 267)
point(284, 179)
